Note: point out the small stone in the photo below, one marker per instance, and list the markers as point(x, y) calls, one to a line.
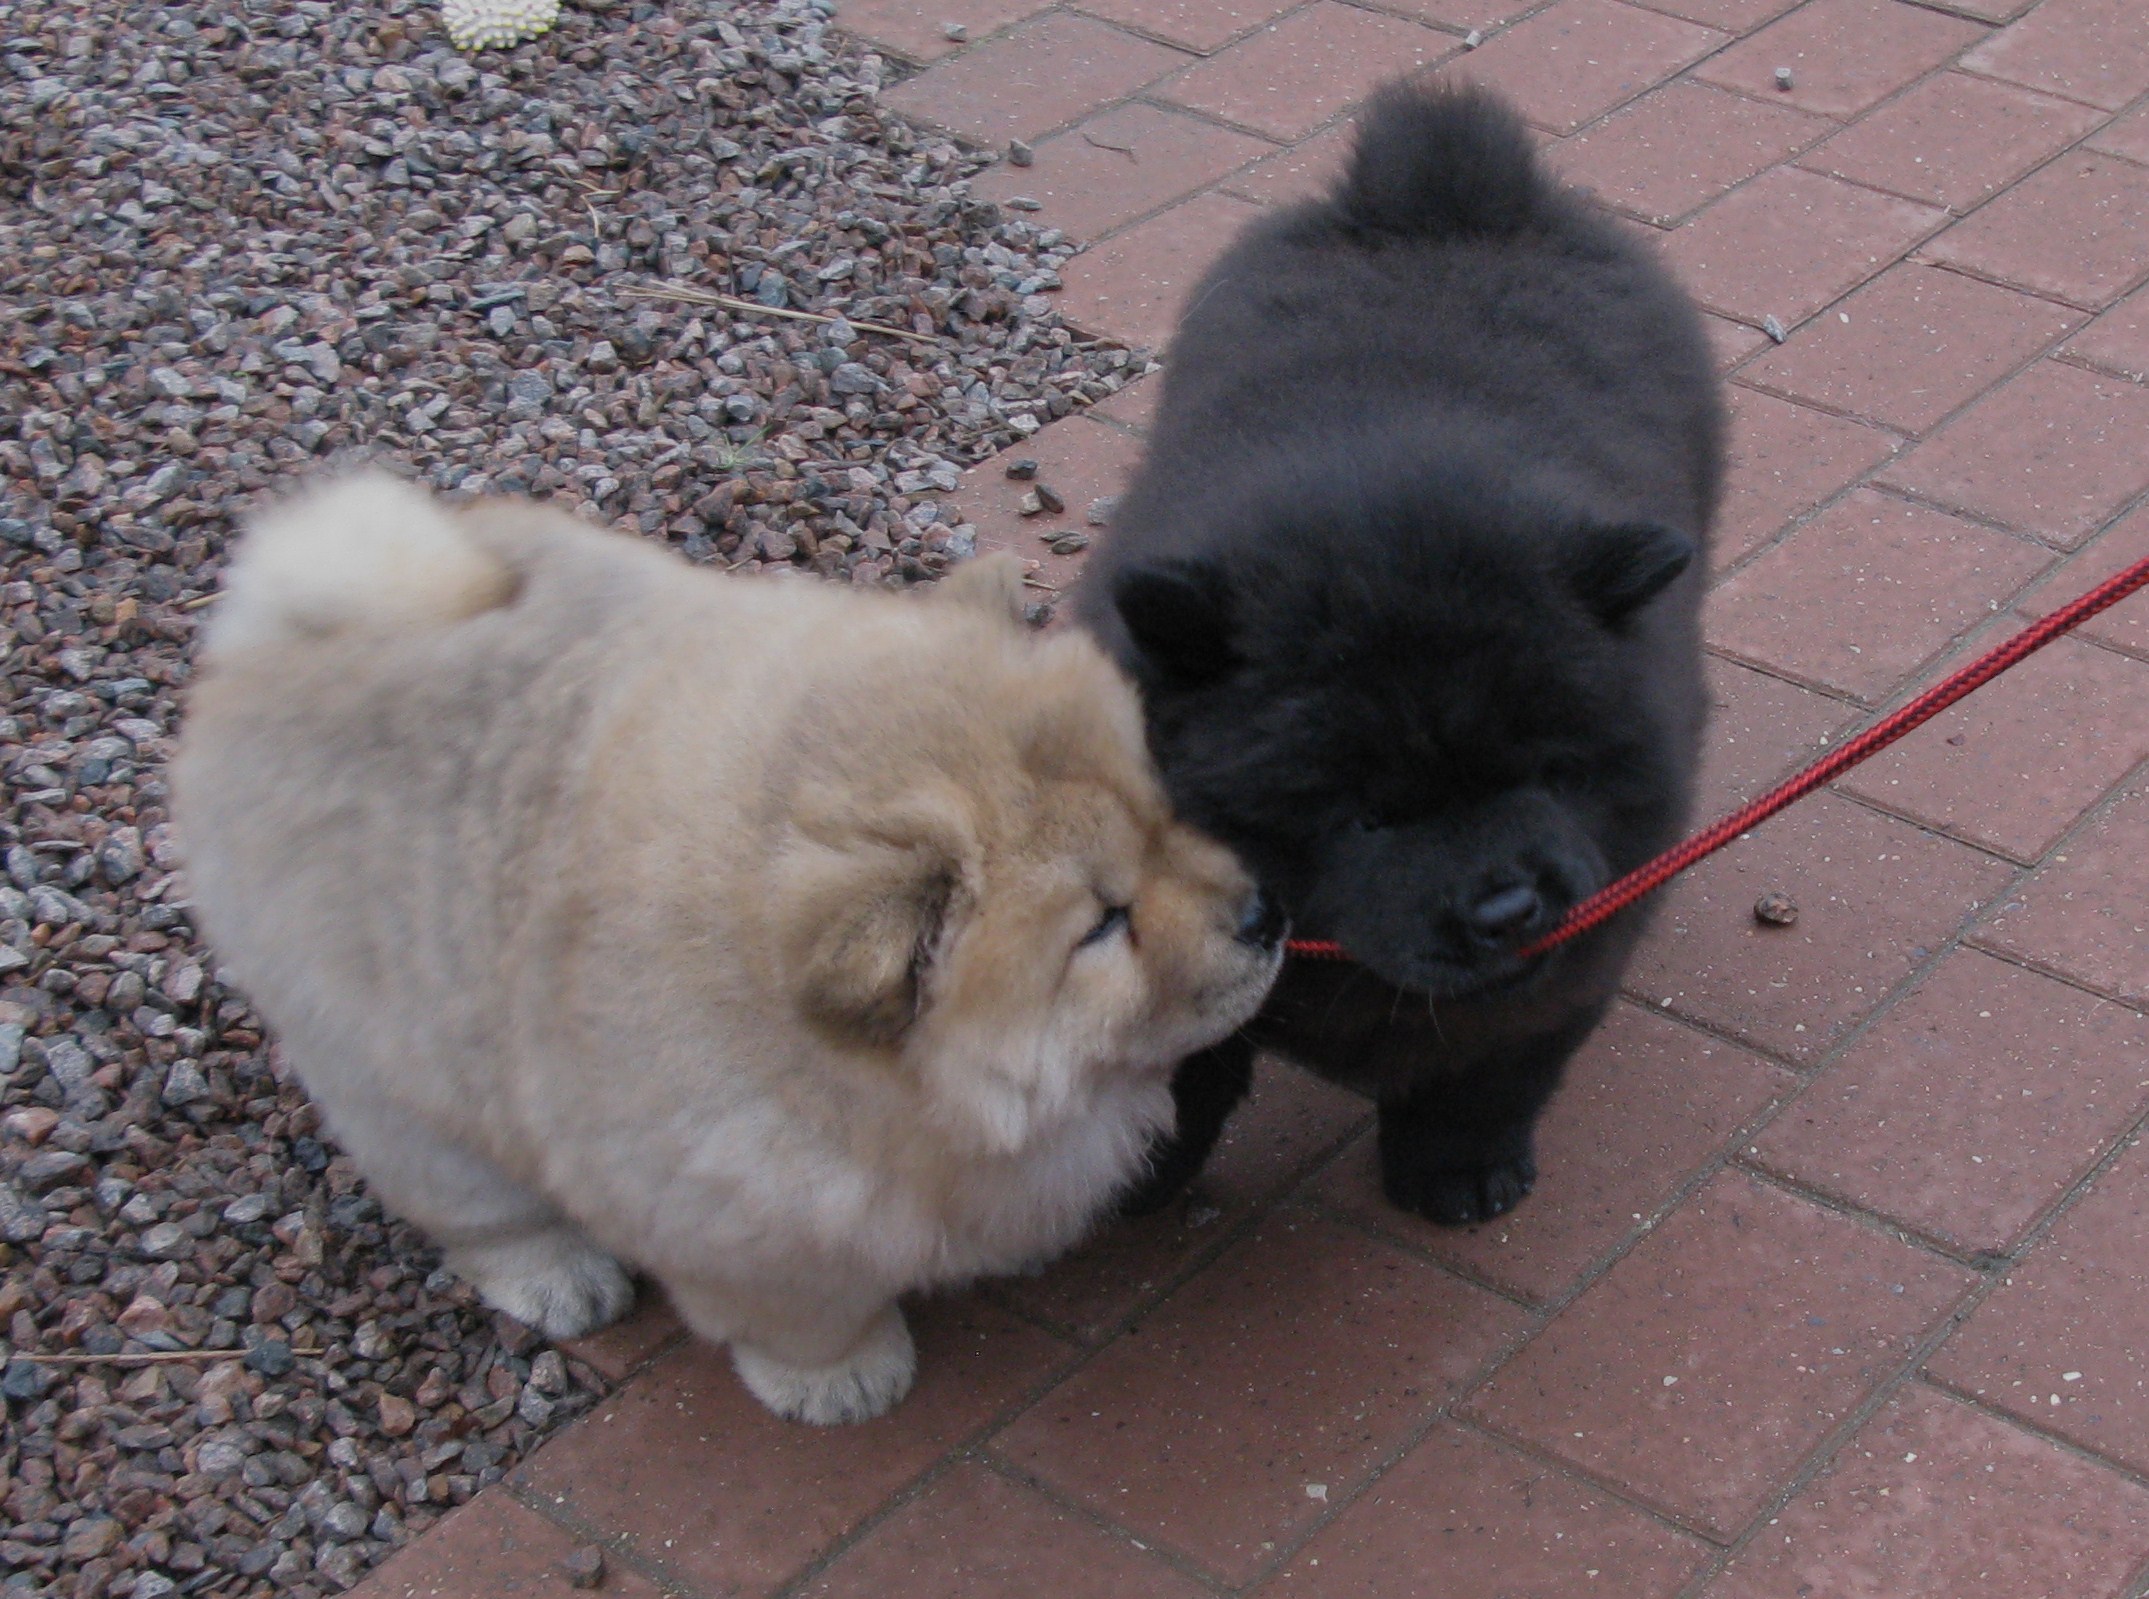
point(25, 1381)
point(219, 1458)
point(1775, 909)
point(184, 1084)
point(1049, 500)
point(1070, 543)
point(854, 377)
point(32, 1124)
point(143, 1316)
point(954, 31)
point(1029, 505)
point(1020, 154)
point(1773, 329)
point(584, 1568)
point(1473, 39)
point(50, 1168)
point(91, 1537)
point(1783, 77)
point(548, 1373)
point(1024, 202)
point(165, 1241)
point(271, 1357)
point(1022, 470)
point(341, 1563)
point(1100, 511)
point(398, 1415)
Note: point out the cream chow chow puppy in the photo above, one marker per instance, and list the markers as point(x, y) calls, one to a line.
point(798, 945)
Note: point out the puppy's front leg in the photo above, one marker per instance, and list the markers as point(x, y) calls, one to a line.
point(1206, 1088)
point(819, 1359)
point(1457, 1147)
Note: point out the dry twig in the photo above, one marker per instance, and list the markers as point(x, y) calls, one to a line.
point(144, 1357)
point(731, 302)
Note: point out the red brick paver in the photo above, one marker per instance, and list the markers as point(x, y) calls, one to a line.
point(1044, 74)
point(1953, 140)
point(1844, 55)
point(1910, 347)
point(1293, 75)
point(1832, 1283)
point(1682, 146)
point(1577, 59)
point(1895, 1506)
point(1789, 242)
point(2054, 453)
point(1708, 1362)
point(2059, 1343)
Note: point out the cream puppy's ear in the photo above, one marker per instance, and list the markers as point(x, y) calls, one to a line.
point(988, 583)
point(866, 926)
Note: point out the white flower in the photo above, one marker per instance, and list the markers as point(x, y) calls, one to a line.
point(496, 24)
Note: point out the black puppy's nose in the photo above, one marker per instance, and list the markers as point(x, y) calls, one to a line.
point(1263, 921)
point(1505, 914)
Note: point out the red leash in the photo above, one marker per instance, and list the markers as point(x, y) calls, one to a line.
point(1615, 897)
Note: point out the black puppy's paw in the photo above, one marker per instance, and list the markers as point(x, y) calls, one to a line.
point(1460, 1196)
point(1172, 1165)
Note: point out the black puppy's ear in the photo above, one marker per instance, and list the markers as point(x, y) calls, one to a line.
point(1622, 567)
point(1179, 615)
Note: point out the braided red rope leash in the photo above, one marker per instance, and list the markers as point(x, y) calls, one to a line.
point(1615, 897)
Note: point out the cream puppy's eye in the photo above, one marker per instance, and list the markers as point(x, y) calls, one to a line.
point(1114, 920)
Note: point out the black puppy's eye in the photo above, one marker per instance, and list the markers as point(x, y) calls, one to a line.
point(1114, 919)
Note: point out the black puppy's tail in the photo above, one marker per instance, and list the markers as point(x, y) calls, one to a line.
point(1441, 162)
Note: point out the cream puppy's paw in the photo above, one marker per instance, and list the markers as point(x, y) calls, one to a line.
point(557, 1282)
point(862, 1385)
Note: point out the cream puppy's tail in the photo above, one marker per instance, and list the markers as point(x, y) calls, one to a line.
point(368, 553)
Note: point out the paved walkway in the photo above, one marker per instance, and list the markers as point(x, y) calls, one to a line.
point(1838, 1280)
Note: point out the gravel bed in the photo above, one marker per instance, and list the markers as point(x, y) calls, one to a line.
point(239, 239)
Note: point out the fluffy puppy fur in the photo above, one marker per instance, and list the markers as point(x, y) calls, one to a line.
point(799, 945)
point(1410, 580)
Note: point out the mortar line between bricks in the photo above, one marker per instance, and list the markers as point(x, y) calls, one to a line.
point(616, 1545)
point(2031, 1425)
point(1873, 1219)
point(2088, 363)
point(1842, 124)
point(2039, 88)
point(1985, 519)
point(1149, 1544)
point(1961, 269)
point(1823, 1454)
point(1712, 1541)
point(1868, 479)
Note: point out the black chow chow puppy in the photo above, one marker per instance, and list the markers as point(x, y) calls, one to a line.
point(1410, 580)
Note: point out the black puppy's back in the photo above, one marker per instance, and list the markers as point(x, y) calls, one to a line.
point(1448, 300)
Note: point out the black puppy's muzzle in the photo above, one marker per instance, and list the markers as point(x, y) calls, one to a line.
point(1263, 923)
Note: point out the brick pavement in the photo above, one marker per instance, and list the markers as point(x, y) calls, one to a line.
point(1835, 1284)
